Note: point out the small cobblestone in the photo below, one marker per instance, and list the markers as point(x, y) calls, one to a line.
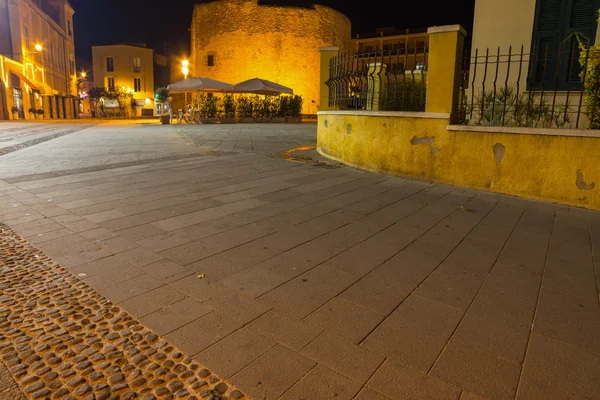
point(62, 340)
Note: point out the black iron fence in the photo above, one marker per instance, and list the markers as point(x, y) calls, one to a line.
point(544, 88)
point(389, 80)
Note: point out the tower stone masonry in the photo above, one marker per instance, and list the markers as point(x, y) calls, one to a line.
point(236, 40)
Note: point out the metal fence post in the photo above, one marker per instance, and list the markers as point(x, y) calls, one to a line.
point(375, 85)
point(327, 54)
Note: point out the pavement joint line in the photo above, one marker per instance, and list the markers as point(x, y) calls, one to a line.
point(321, 263)
point(440, 263)
point(60, 336)
point(514, 228)
point(537, 303)
point(77, 171)
point(298, 245)
point(33, 142)
point(595, 260)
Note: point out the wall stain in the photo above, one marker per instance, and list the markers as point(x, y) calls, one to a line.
point(582, 184)
point(349, 129)
point(326, 123)
point(428, 140)
point(499, 151)
point(435, 150)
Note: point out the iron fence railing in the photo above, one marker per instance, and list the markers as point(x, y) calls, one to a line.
point(544, 88)
point(389, 80)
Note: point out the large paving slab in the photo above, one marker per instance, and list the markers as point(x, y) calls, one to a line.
point(308, 281)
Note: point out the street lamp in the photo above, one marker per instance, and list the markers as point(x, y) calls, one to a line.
point(186, 71)
point(83, 74)
point(38, 48)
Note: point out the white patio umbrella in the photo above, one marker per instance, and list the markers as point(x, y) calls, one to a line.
point(262, 86)
point(199, 84)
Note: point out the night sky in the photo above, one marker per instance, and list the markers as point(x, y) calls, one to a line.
point(163, 25)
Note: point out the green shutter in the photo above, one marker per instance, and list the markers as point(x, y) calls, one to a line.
point(582, 19)
point(555, 21)
point(546, 40)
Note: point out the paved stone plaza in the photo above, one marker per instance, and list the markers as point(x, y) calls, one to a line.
point(294, 281)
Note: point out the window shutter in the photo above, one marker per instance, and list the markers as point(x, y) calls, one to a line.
point(582, 20)
point(547, 28)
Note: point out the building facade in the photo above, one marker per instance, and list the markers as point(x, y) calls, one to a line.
point(129, 67)
point(236, 40)
point(536, 58)
point(37, 60)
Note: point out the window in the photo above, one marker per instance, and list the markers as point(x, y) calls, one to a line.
point(110, 82)
point(211, 60)
point(69, 26)
point(137, 64)
point(110, 64)
point(137, 84)
point(26, 35)
point(554, 50)
point(72, 67)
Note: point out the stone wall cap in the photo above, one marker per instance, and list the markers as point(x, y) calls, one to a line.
point(398, 114)
point(329, 48)
point(447, 28)
point(591, 133)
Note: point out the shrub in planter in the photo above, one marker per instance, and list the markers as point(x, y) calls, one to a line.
point(295, 109)
point(40, 112)
point(245, 109)
point(15, 110)
point(210, 110)
point(228, 109)
point(264, 111)
point(280, 105)
point(32, 111)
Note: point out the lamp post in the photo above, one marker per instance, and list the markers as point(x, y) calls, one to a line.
point(186, 71)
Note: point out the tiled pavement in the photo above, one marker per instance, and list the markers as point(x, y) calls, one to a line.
point(298, 282)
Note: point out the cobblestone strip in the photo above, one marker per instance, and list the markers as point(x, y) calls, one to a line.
point(62, 340)
point(29, 143)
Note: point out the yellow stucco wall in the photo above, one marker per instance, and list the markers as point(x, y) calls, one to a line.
point(280, 44)
point(556, 168)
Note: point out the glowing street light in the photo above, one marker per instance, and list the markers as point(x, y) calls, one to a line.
point(38, 47)
point(83, 74)
point(186, 71)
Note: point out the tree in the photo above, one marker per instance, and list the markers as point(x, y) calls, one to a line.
point(119, 94)
point(162, 94)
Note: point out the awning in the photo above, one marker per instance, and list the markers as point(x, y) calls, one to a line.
point(198, 84)
point(262, 86)
point(24, 79)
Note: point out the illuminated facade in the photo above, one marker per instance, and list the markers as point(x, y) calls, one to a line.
point(236, 40)
point(37, 59)
point(128, 66)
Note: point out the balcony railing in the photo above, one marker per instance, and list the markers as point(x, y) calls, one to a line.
point(386, 80)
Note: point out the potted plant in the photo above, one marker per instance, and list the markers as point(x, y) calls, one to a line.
point(162, 95)
point(211, 109)
point(245, 109)
point(228, 109)
point(32, 112)
point(278, 110)
point(263, 111)
point(40, 112)
point(15, 111)
point(295, 109)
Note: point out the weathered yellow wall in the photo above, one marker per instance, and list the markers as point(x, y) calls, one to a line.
point(554, 168)
point(280, 44)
